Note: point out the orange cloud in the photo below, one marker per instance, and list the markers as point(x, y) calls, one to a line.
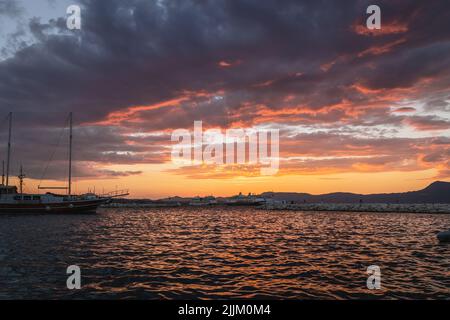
point(130, 114)
point(228, 64)
point(427, 123)
point(394, 27)
point(404, 109)
point(377, 50)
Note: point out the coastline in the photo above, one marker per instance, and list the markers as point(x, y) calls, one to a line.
point(441, 208)
point(432, 199)
point(430, 208)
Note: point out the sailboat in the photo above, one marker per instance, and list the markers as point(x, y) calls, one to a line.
point(14, 201)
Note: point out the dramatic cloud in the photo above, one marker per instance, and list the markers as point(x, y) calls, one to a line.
point(345, 98)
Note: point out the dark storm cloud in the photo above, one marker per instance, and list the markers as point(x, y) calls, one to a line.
point(10, 8)
point(428, 123)
point(409, 66)
point(243, 55)
point(139, 52)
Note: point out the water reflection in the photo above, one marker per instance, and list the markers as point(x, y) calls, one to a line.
point(224, 253)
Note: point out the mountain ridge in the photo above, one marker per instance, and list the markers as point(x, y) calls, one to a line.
point(436, 192)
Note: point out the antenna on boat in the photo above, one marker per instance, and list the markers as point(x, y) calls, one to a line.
point(9, 151)
point(70, 155)
point(21, 177)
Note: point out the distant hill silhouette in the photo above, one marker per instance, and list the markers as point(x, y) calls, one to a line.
point(437, 192)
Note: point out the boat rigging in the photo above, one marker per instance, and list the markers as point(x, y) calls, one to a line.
point(17, 202)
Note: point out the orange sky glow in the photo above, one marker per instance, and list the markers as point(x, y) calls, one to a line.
point(357, 109)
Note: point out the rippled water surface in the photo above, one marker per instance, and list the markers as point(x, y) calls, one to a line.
point(224, 253)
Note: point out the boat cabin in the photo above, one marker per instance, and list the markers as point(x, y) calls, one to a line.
point(7, 189)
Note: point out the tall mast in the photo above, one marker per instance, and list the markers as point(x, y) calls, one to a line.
point(21, 177)
point(9, 151)
point(3, 172)
point(70, 154)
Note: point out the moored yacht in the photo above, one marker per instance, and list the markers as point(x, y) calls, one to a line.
point(17, 203)
point(14, 201)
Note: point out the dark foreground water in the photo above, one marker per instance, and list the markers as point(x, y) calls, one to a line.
point(224, 253)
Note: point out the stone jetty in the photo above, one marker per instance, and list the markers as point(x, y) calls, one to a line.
point(361, 207)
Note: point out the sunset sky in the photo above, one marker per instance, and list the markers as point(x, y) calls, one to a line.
point(358, 110)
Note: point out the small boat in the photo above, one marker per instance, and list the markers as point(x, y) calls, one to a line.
point(14, 201)
point(444, 236)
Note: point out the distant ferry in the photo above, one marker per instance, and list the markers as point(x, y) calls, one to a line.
point(241, 200)
point(13, 201)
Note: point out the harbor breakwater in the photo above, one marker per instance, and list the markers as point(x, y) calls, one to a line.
point(363, 207)
point(443, 208)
